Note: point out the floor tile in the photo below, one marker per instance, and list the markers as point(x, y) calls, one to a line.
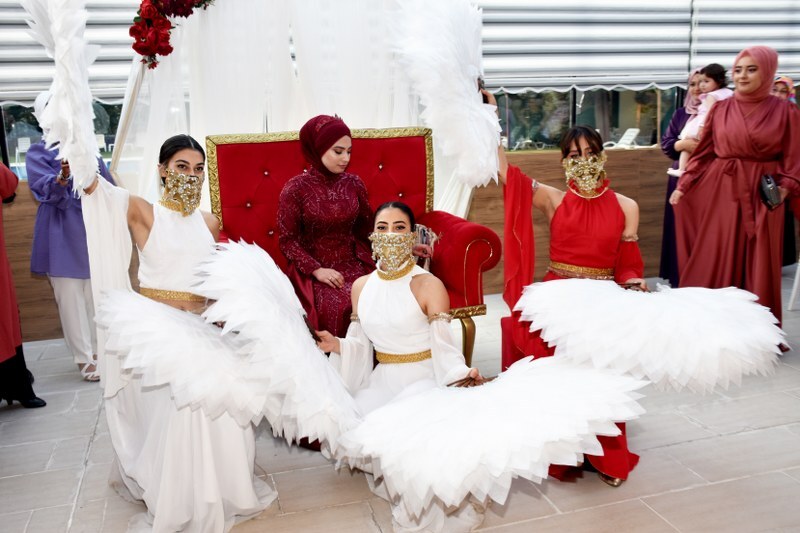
point(50, 520)
point(25, 458)
point(631, 516)
point(785, 378)
point(742, 454)
point(43, 489)
point(57, 404)
point(758, 503)
point(656, 472)
point(524, 502)
point(69, 452)
point(89, 517)
point(13, 522)
point(353, 518)
point(319, 487)
point(101, 452)
point(382, 514)
point(118, 513)
point(50, 428)
point(793, 472)
point(52, 367)
point(661, 429)
point(731, 416)
point(89, 399)
point(657, 401)
point(95, 484)
point(275, 455)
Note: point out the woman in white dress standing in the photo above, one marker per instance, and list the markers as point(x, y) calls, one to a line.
point(190, 462)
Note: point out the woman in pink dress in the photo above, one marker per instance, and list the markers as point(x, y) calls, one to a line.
point(324, 219)
point(726, 234)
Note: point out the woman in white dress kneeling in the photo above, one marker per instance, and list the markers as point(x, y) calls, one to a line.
point(179, 446)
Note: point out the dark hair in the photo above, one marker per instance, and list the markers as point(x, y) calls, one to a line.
point(402, 207)
point(575, 133)
point(716, 72)
point(175, 144)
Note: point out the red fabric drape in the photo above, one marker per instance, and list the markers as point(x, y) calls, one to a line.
point(10, 334)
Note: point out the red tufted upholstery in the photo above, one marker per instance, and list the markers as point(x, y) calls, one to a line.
point(247, 172)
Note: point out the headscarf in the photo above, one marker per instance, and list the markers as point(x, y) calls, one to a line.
point(767, 60)
point(39, 104)
point(786, 80)
point(691, 103)
point(318, 135)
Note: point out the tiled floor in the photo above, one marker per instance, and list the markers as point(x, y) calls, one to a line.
point(729, 461)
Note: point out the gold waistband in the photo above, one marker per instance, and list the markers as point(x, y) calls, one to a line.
point(160, 294)
point(389, 358)
point(573, 271)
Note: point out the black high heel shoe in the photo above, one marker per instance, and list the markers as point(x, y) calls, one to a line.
point(29, 403)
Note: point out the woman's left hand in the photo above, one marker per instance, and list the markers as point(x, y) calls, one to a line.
point(784, 193)
point(642, 284)
point(422, 250)
point(675, 197)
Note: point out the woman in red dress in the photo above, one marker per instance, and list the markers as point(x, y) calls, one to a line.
point(324, 219)
point(15, 380)
point(726, 235)
point(593, 233)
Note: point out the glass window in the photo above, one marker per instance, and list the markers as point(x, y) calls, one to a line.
point(22, 130)
point(534, 120)
point(617, 113)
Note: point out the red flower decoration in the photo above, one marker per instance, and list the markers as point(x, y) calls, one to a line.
point(151, 28)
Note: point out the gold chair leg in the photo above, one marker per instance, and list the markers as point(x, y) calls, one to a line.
point(468, 338)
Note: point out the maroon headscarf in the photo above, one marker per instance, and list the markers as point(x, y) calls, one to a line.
point(691, 103)
point(767, 60)
point(318, 135)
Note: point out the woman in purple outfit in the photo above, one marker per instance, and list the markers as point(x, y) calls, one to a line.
point(672, 146)
point(59, 248)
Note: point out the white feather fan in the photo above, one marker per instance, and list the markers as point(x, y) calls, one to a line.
point(67, 120)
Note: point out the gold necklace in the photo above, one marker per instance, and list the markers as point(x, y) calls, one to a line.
point(399, 273)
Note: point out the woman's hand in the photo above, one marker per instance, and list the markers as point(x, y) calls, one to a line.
point(475, 374)
point(784, 193)
point(490, 99)
point(686, 145)
point(327, 342)
point(422, 250)
point(63, 177)
point(675, 197)
point(329, 277)
point(637, 282)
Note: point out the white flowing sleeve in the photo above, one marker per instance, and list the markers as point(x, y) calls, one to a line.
point(105, 215)
point(448, 361)
point(354, 363)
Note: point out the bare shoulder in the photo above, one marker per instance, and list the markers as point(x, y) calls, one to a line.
point(628, 205)
point(212, 222)
point(426, 282)
point(139, 208)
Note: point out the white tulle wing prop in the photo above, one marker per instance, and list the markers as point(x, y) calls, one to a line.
point(262, 364)
point(446, 443)
point(438, 45)
point(59, 25)
point(678, 338)
point(306, 397)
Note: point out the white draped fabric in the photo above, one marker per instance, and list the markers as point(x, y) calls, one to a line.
point(252, 66)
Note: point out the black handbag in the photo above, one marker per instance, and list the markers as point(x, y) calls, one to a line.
point(770, 194)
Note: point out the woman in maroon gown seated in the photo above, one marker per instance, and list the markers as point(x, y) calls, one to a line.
point(324, 219)
point(726, 235)
point(593, 233)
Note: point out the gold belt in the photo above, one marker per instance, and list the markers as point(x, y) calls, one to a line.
point(161, 294)
point(390, 358)
point(574, 271)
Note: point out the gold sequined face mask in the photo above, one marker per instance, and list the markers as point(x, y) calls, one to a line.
point(585, 175)
point(182, 192)
point(393, 250)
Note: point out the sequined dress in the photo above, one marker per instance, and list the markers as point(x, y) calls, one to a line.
point(324, 223)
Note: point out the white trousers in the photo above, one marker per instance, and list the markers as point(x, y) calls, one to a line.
point(76, 311)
